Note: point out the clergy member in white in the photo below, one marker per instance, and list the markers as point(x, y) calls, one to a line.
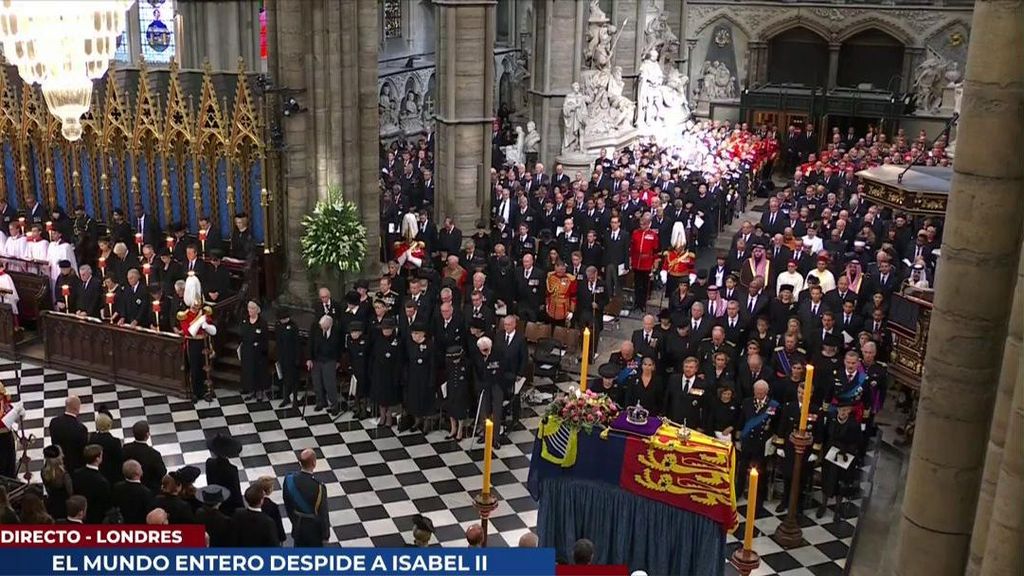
point(57, 251)
point(37, 246)
point(15, 245)
point(8, 293)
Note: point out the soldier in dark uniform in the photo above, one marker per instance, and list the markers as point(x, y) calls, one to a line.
point(685, 398)
point(877, 376)
point(827, 367)
point(387, 295)
point(386, 369)
point(714, 344)
point(286, 337)
point(530, 289)
point(305, 500)
point(788, 421)
point(420, 391)
point(458, 392)
point(591, 300)
point(489, 381)
point(842, 432)
point(757, 415)
point(783, 356)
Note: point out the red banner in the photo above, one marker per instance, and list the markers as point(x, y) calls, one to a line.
point(695, 475)
point(101, 536)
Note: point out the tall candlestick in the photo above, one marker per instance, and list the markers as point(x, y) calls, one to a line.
point(585, 363)
point(748, 532)
point(488, 439)
point(806, 406)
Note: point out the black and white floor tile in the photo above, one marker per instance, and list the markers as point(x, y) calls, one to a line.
point(377, 479)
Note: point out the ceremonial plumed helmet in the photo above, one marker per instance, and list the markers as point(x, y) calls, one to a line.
point(679, 235)
point(193, 291)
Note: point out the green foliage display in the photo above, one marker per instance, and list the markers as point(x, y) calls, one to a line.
point(334, 237)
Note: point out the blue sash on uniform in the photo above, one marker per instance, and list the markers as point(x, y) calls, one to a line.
point(758, 420)
point(625, 374)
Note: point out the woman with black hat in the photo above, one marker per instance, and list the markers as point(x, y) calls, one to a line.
point(187, 476)
point(56, 480)
point(843, 437)
point(219, 526)
point(386, 370)
point(170, 501)
point(357, 346)
point(420, 391)
point(220, 470)
point(458, 393)
point(252, 352)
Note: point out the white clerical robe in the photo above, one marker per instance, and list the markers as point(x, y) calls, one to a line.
point(792, 278)
point(37, 250)
point(54, 254)
point(7, 283)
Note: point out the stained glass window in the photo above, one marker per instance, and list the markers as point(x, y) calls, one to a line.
point(392, 19)
point(156, 30)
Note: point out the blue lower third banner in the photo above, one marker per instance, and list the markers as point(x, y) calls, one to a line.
point(255, 561)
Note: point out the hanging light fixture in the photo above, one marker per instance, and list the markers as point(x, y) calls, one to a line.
point(62, 45)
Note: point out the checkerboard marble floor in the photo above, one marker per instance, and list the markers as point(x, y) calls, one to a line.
point(376, 479)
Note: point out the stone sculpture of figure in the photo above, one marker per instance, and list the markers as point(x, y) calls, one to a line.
point(574, 118)
point(648, 94)
point(929, 81)
point(622, 109)
point(600, 33)
point(532, 141)
point(674, 108)
point(707, 86)
point(388, 106)
point(411, 105)
point(514, 153)
point(723, 77)
point(658, 35)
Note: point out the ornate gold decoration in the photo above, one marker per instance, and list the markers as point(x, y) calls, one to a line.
point(117, 137)
point(210, 143)
point(177, 142)
point(956, 39)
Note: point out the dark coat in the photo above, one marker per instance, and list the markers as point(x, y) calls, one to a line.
point(219, 526)
point(134, 500)
point(113, 456)
point(222, 472)
point(70, 434)
point(94, 487)
point(153, 468)
point(259, 531)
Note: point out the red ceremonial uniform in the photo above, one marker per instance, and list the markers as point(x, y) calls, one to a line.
point(643, 249)
point(414, 248)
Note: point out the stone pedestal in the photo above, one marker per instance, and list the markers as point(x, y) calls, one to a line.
point(575, 162)
point(464, 108)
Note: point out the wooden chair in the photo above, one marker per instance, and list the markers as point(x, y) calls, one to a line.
point(570, 339)
point(537, 331)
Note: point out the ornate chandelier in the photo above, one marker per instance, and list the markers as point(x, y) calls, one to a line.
point(62, 45)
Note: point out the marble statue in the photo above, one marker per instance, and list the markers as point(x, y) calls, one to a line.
point(601, 37)
point(574, 119)
point(649, 92)
point(658, 35)
point(675, 110)
point(411, 104)
point(929, 80)
point(716, 82)
point(515, 153)
point(532, 141)
point(622, 109)
point(609, 113)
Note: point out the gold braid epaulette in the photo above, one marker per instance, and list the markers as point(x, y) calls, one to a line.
point(181, 315)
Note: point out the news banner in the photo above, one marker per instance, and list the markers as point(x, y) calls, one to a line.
point(85, 550)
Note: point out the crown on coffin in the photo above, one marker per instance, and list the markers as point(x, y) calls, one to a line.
point(637, 414)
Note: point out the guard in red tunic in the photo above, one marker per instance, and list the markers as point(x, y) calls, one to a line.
point(561, 297)
point(196, 329)
point(677, 261)
point(643, 251)
point(410, 252)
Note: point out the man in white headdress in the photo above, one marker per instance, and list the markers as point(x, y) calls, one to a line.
point(196, 327)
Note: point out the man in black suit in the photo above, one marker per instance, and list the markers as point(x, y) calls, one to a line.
point(134, 301)
point(324, 352)
point(449, 239)
point(148, 226)
point(755, 301)
point(214, 240)
point(131, 496)
point(89, 294)
point(645, 339)
point(510, 348)
point(560, 178)
point(616, 253)
point(35, 213)
point(848, 320)
point(735, 324)
point(76, 508)
point(70, 434)
point(811, 309)
point(305, 501)
point(841, 293)
point(478, 308)
point(778, 253)
point(152, 463)
point(773, 221)
point(255, 528)
point(90, 483)
point(530, 289)
point(700, 324)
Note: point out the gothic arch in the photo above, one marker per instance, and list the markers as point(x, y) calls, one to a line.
point(773, 30)
point(885, 26)
point(710, 23)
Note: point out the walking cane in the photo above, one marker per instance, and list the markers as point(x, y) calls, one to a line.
point(476, 420)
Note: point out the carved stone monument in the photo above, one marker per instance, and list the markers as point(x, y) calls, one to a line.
point(661, 93)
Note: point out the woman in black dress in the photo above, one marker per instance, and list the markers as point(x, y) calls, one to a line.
point(647, 388)
point(842, 432)
point(386, 370)
point(357, 347)
point(420, 392)
point(724, 412)
point(459, 399)
point(252, 351)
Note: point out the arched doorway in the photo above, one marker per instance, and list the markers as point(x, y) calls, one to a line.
point(870, 57)
point(798, 56)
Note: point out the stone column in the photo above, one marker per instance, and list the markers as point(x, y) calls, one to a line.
point(325, 55)
point(220, 32)
point(833, 64)
point(557, 59)
point(464, 107)
point(1004, 551)
point(998, 437)
point(982, 238)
